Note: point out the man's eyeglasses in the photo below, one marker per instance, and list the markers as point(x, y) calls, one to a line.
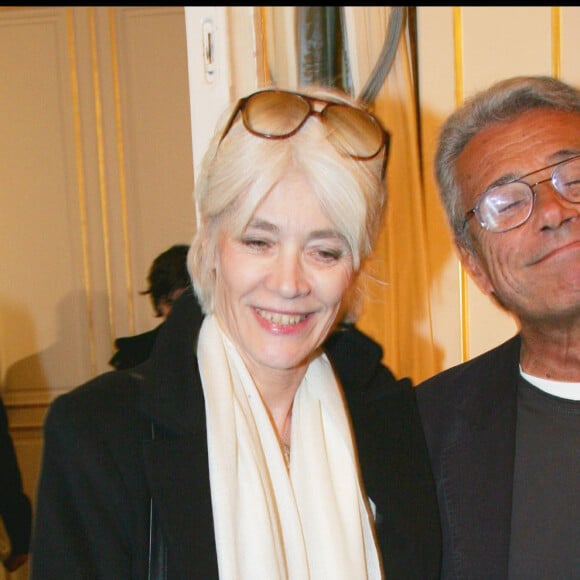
point(509, 205)
point(275, 114)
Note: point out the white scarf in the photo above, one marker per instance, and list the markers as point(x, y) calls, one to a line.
point(312, 523)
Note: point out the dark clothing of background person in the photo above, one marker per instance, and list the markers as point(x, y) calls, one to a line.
point(133, 350)
point(15, 507)
point(165, 395)
point(167, 278)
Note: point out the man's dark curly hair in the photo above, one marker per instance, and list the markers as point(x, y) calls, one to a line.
point(168, 273)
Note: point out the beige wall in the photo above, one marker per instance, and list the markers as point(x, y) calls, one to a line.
point(96, 173)
point(461, 50)
point(96, 179)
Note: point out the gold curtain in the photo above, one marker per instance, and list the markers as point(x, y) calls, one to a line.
point(396, 309)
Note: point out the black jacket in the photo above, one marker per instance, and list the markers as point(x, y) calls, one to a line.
point(469, 414)
point(101, 465)
point(15, 506)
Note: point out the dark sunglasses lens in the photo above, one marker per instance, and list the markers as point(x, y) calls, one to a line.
point(275, 114)
point(354, 131)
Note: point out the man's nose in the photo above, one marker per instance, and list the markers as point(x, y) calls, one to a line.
point(551, 209)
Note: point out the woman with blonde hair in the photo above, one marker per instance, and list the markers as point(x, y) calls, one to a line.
point(267, 440)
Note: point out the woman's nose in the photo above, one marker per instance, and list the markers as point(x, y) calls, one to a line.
point(288, 276)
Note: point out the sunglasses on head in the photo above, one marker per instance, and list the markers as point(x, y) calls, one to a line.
point(276, 114)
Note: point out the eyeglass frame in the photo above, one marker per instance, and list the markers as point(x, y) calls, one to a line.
point(473, 211)
point(241, 104)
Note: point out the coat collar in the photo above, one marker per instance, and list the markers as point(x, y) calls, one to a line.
point(176, 455)
point(477, 464)
point(172, 393)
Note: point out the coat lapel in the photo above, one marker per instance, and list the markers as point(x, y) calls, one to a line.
point(176, 458)
point(477, 474)
point(179, 479)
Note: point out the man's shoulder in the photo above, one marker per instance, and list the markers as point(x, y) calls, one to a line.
point(468, 395)
point(489, 362)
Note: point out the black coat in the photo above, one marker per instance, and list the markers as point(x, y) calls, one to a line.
point(469, 414)
point(101, 465)
point(15, 506)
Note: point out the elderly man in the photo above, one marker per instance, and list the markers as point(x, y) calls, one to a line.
point(503, 429)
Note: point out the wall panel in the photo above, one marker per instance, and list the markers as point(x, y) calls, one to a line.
point(96, 179)
point(461, 50)
point(42, 312)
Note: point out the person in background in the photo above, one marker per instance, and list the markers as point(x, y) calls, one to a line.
point(15, 507)
point(168, 278)
point(503, 429)
point(258, 441)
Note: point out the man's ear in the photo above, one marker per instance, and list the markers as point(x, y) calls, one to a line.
point(475, 267)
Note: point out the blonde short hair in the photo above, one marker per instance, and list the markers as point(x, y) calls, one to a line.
point(239, 171)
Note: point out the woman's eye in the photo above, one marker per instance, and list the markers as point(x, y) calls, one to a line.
point(256, 243)
point(329, 254)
